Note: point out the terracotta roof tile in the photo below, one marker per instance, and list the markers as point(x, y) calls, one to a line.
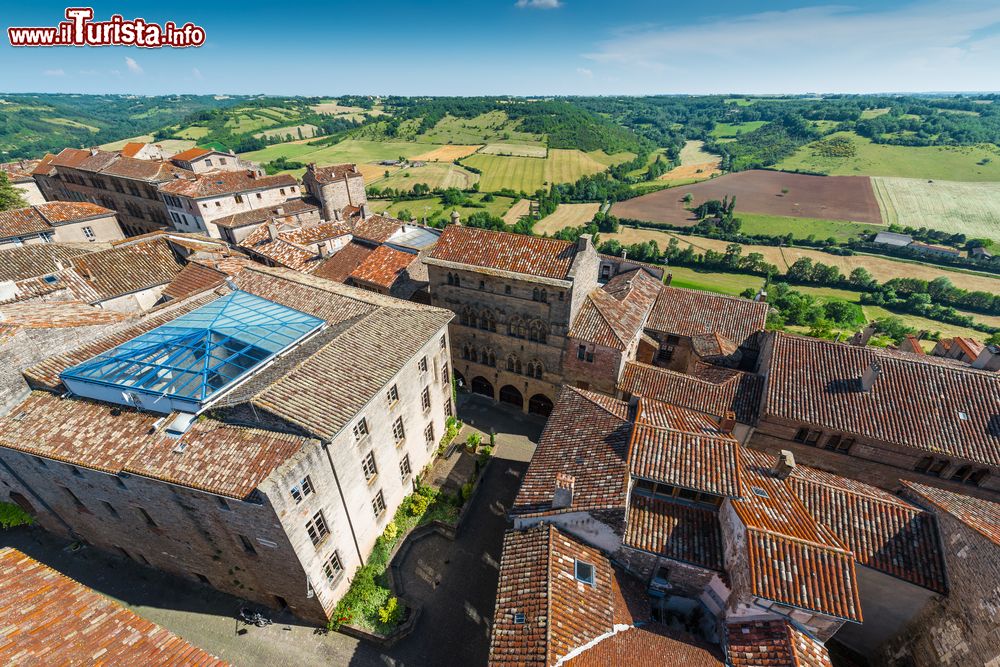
point(376, 228)
point(29, 261)
point(383, 267)
point(128, 268)
point(916, 403)
point(674, 530)
point(503, 251)
point(57, 212)
point(614, 315)
point(22, 222)
point(51, 619)
point(982, 516)
point(190, 154)
point(292, 247)
point(586, 436)
point(687, 312)
point(20, 171)
point(773, 644)
point(651, 644)
point(132, 148)
point(259, 216)
point(192, 279)
point(343, 262)
point(714, 391)
point(334, 172)
point(219, 183)
point(57, 315)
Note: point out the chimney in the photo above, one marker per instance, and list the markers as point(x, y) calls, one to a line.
point(364, 211)
point(324, 251)
point(562, 497)
point(59, 265)
point(870, 375)
point(272, 231)
point(728, 422)
point(988, 359)
point(584, 241)
point(337, 215)
point(862, 337)
point(624, 253)
point(252, 173)
point(761, 296)
point(784, 464)
point(311, 166)
point(280, 210)
point(456, 219)
point(669, 279)
point(93, 150)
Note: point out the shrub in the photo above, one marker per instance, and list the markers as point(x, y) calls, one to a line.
point(12, 516)
point(418, 504)
point(391, 613)
point(466, 491)
point(391, 531)
point(474, 440)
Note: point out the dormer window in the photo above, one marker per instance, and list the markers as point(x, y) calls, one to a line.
point(584, 572)
point(519, 618)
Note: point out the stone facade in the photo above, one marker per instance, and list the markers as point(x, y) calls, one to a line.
point(195, 215)
point(336, 193)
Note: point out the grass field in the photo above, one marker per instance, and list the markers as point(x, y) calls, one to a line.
point(434, 174)
point(431, 207)
point(882, 268)
point(349, 150)
point(732, 130)
point(447, 153)
point(515, 150)
point(801, 228)
point(333, 108)
point(192, 132)
point(71, 123)
point(308, 131)
point(171, 146)
point(960, 163)
point(972, 209)
point(527, 174)
point(874, 113)
point(696, 164)
point(485, 128)
point(566, 215)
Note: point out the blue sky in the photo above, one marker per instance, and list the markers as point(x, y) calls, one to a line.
point(528, 47)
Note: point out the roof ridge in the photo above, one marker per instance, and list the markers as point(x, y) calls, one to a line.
point(548, 591)
point(583, 394)
point(882, 499)
point(847, 551)
point(604, 316)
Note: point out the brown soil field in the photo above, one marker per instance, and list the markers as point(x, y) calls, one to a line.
point(374, 172)
point(881, 268)
point(514, 213)
point(447, 153)
point(566, 215)
point(687, 171)
point(758, 191)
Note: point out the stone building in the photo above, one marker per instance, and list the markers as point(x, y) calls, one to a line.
point(203, 161)
point(515, 299)
point(268, 476)
point(19, 175)
point(964, 627)
point(292, 213)
point(302, 248)
point(880, 415)
point(194, 203)
point(70, 623)
point(339, 188)
point(59, 222)
point(127, 185)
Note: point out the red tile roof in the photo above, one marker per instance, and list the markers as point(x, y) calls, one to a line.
point(503, 251)
point(916, 402)
point(132, 148)
point(293, 247)
point(683, 449)
point(383, 267)
point(687, 312)
point(41, 218)
point(674, 530)
point(340, 266)
point(793, 559)
point(57, 315)
point(983, 516)
point(651, 644)
point(613, 315)
point(20, 171)
point(22, 222)
point(113, 164)
point(586, 436)
point(49, 619)
point(714, 391)
point(773, 644)
point(334, 172)
point(128, 268)
point(37, 259)
point(288, 209)
point(218, 458)
point(192, 279)
point(884, 532)
point(218, 183)
point(190, 154)
point(57, 212)
point(376, 228)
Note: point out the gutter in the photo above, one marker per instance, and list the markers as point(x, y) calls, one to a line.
point(340, 490)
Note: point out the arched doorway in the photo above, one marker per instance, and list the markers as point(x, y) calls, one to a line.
point(510, 395)
point(481, 385)
point(540, 404)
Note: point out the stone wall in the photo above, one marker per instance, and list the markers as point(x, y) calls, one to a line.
point(335, 196)
point(104, 229)
point(138, 204)
point(201, 212)
point(601, 374)
point(962, 628)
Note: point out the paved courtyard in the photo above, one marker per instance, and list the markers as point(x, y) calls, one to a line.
point(454, 581)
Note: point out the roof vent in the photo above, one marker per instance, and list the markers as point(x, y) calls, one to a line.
point(759, 492)
point(964, 416)
point(178, 426)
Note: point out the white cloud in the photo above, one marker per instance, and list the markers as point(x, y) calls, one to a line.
point(132, 65)
point(583, 71)
point(54, 72)
point(833, 48)
point(197, 73)
point(538, 4)
point(88, 72)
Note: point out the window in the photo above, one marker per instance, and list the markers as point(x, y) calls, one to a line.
point(333, 568)
point(443, 342)
point(378, 504)
point(393, 395)
point(238, 198)
point(369, 467)
point(422, 365)
point(247, 545)
point(222, 160)
point(404, 468)
point(544, 297)
point(148, 519)
point(88, 233)
point(581, 352)
point(259, 196)
point(281, 190)
point(397, 429)
point(302, 489)
point(451, 279)
point(482, 284)
point(813, 437)
point(425, 398)
point(429, 431)
point(937, 467)
point(447, 407)
point(506, 289)
point(445, 374)
point(584, 572)
point(218, 204)
point(110, 508)
point(361, 429)
point(800, 435)
point(317, 528)
point(208, 162)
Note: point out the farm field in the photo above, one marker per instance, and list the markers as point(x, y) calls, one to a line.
point(493, 126)
point(431, 207)
point(333, 108)
point(882, 268)
point(566, 215)
point(436, 175)
point(515, 150)
point(192, 132)
point(527, 174)
point(972, 209)
point(305, 131)
point(802, 228)
point(959, 163)
point(696, 164)
point(171, 146)
point(733, 130)
point(757, 191)
point(71, 123)
point(447, 153)
point(520, 208)
point(348, 150)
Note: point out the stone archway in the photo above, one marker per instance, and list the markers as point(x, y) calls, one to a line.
point(22, 502)
point(540, 404)
point(481, 385)
point(510, 395)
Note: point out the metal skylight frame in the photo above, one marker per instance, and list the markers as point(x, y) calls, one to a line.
point(194, 357)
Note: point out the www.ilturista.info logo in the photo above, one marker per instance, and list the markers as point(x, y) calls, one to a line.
point(79, 29)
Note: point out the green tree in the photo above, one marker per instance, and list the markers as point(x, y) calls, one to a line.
point(10, 197)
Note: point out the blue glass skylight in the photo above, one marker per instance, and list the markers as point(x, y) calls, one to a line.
point(181, 365)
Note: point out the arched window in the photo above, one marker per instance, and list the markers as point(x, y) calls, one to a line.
point(473, 355)
point(466, 318)
point(514, 364)
point(451, 279)
point(535, 369)
point(493, 359)
point(535, 294)
point(510, 363)
point(537, 333)
point(458, 281)
point(487, 321)
point(465, 351)
point(545, 297)
point(522, 331)
point(512, 327)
